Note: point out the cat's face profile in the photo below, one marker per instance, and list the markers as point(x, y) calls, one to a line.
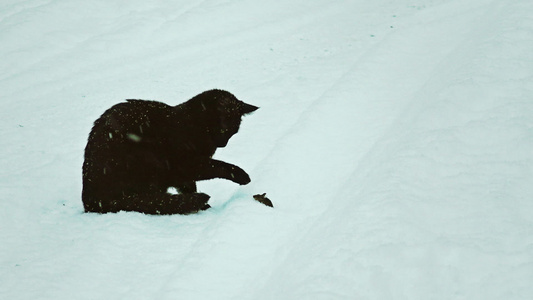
point(223, 114)
point(231, 111)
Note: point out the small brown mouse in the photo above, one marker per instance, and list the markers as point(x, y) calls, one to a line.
point(263, 199)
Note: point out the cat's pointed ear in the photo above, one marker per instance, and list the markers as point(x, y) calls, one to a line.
point(248, 108)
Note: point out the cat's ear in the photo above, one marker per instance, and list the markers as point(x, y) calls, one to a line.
point(248, 108)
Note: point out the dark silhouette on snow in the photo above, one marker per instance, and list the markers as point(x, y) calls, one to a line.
point(138, 149)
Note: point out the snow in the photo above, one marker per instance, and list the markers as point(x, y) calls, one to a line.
point(395, 139)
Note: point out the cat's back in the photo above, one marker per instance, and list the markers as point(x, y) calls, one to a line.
point(133, 116)
point(126, 123)
point(132, 113)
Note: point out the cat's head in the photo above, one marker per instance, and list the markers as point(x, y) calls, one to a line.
point(223, 114)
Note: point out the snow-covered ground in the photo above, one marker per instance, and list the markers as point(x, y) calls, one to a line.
point(395, 139)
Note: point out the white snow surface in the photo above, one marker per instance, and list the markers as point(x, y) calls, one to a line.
point(395, 139)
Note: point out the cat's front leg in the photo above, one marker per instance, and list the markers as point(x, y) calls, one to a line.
point(218, 169)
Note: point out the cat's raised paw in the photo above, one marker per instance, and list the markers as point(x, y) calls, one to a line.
point(239, 176)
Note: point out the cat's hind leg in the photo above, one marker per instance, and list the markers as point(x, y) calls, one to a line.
point(165, 204)
point(186, 187)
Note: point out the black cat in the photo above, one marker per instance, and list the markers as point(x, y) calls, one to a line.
point(138, 149)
